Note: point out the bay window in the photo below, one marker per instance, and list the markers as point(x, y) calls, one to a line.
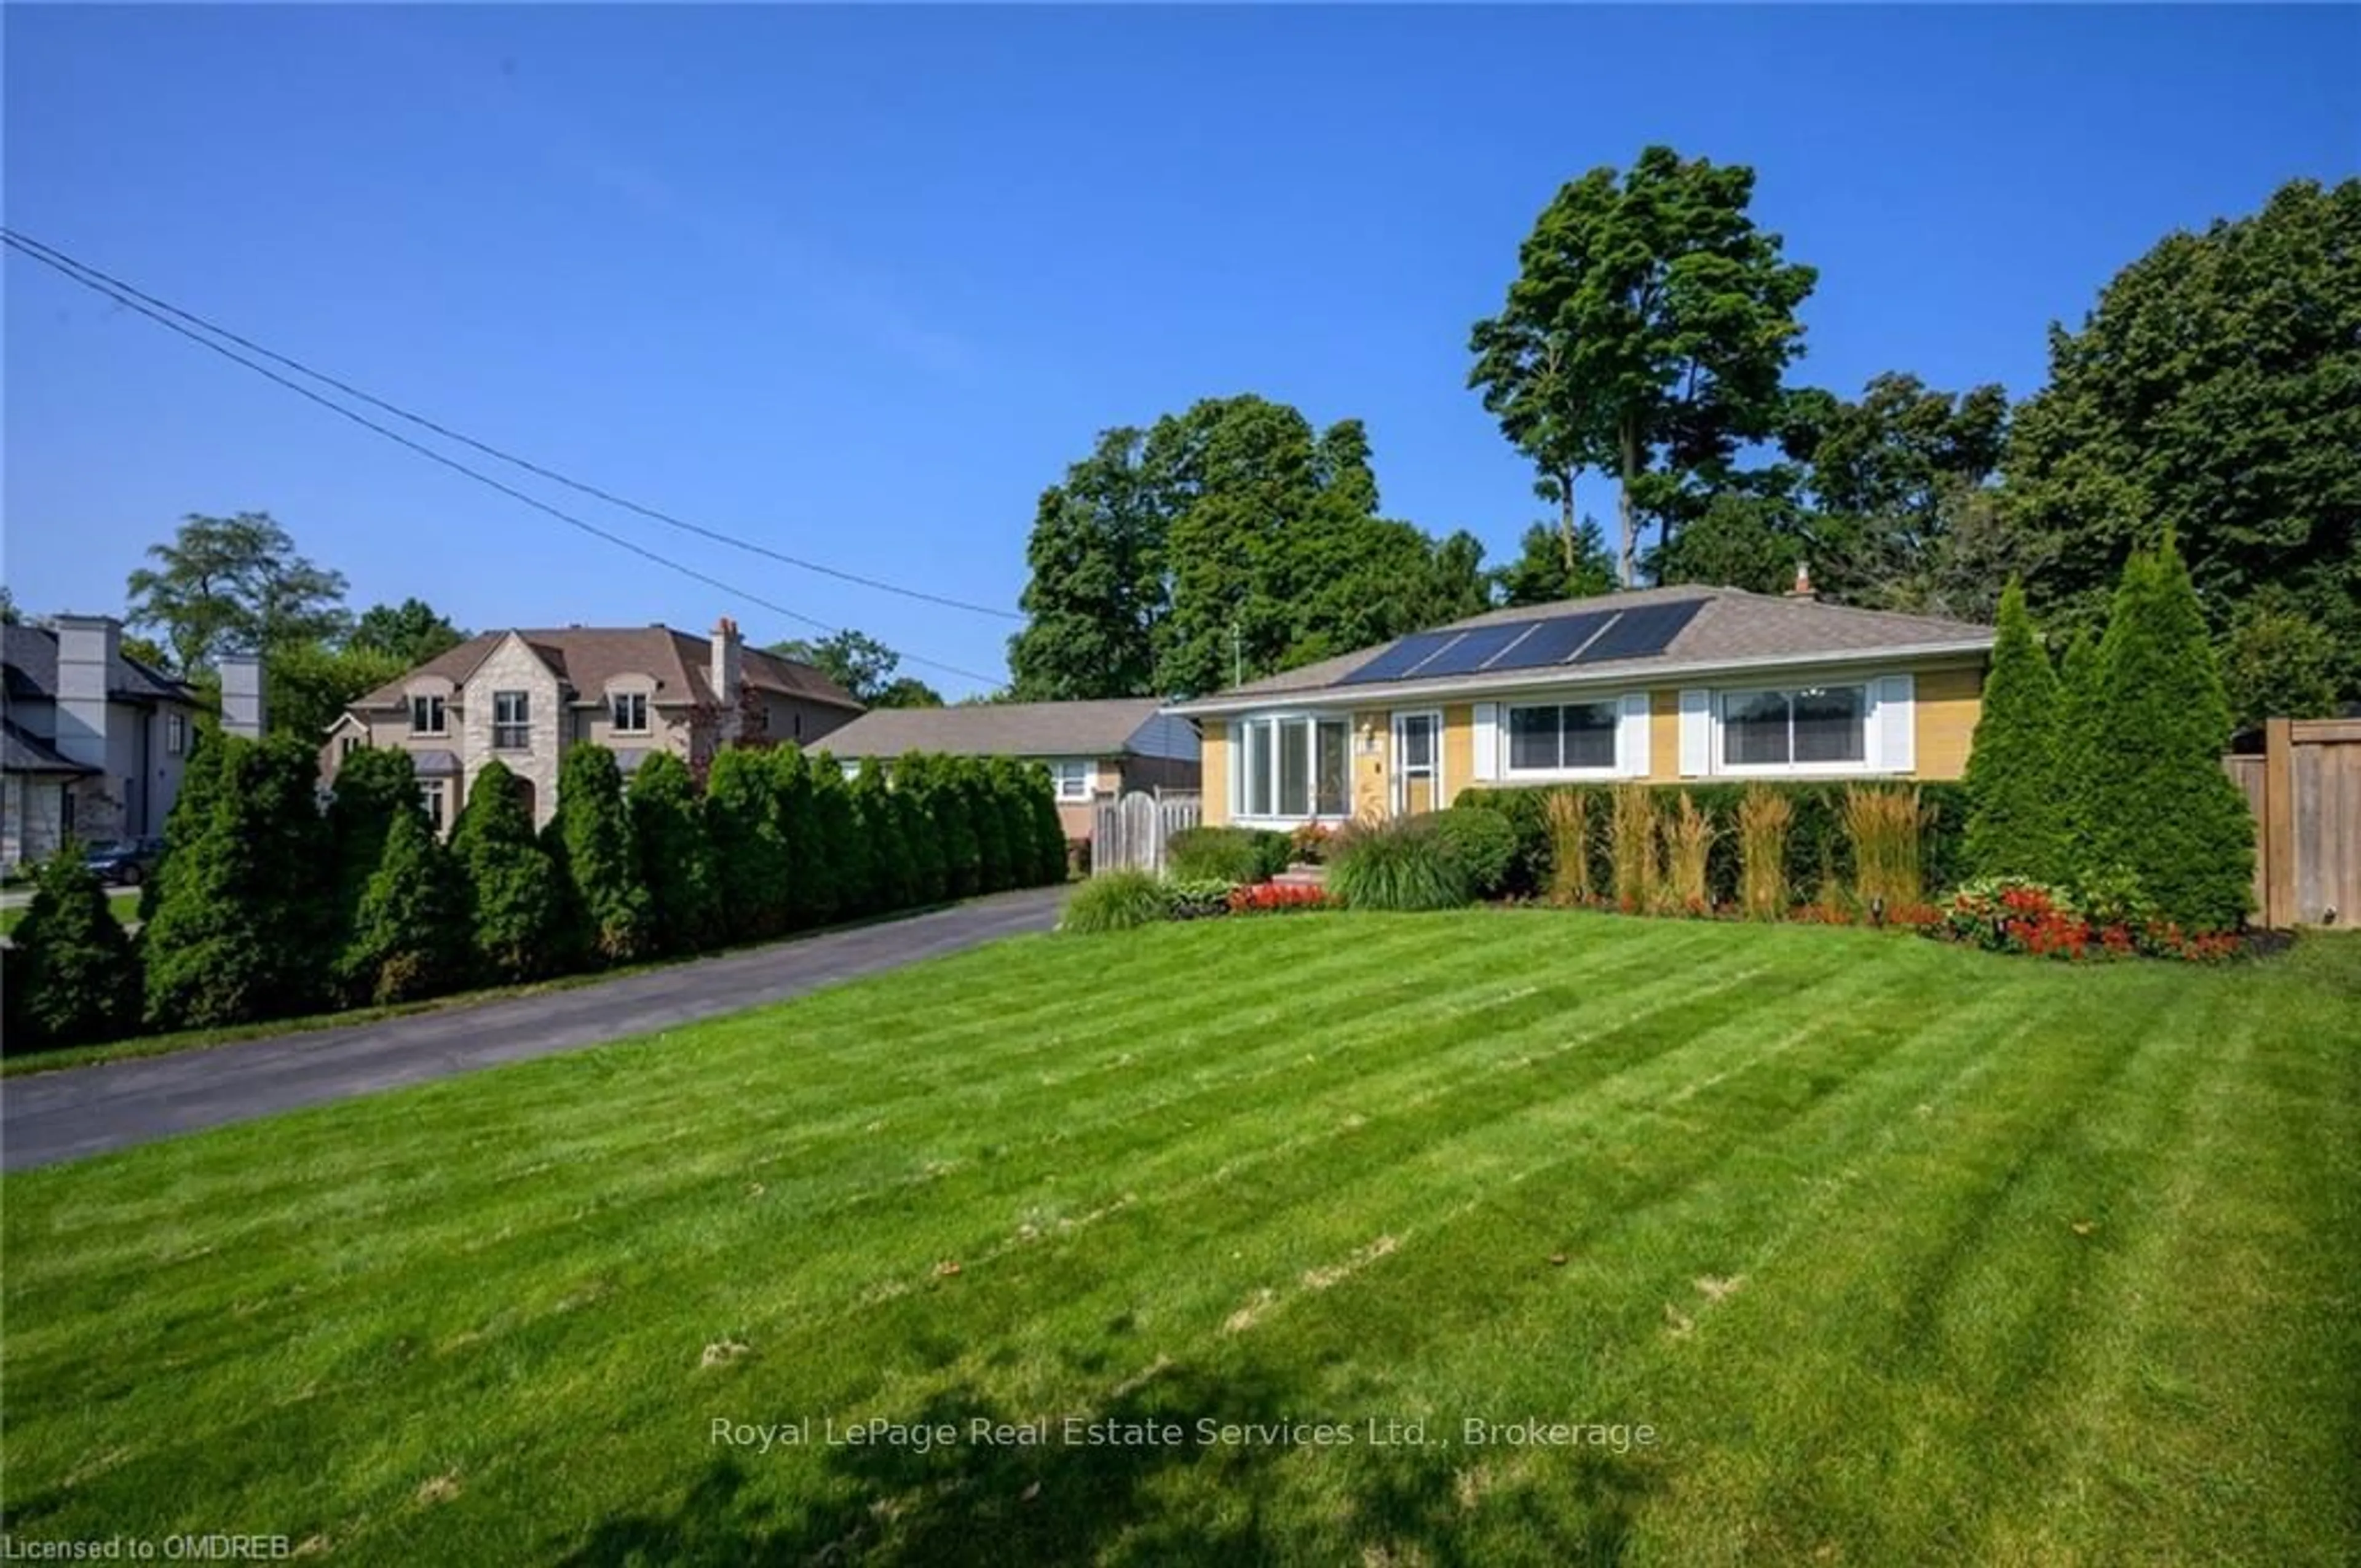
point(1798, 726)
point(1291, 767)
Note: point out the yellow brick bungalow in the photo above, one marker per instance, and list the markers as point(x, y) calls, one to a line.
point(1659, 685)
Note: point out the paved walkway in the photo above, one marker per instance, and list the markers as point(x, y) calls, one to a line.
point(52, 1116)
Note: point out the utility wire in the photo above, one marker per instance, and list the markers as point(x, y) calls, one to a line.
point(133, 303)
point(71, 266)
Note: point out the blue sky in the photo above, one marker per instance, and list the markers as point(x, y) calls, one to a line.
point(860, 283)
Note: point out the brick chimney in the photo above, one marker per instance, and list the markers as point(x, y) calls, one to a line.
point(729, 653)
point(241, 687)
point(88, 647)
point(1803, 588)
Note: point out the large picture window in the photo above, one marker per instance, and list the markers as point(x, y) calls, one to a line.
point(1556, 737)
point(1802, 726)
point(1292, 767)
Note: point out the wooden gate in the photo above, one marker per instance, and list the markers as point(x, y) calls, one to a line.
point(2305, 792)
point(1129, 833)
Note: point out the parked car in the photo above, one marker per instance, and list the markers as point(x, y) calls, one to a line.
point(128, 862)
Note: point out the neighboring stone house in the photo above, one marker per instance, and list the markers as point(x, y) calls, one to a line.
point(522, 698)
point(1092, 749)
point(93, 741)
point(1662, 684)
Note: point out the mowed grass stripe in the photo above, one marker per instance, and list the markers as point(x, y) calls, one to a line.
point(1659, 1100)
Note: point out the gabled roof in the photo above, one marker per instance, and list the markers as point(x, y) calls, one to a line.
point(22, 752)
point(587, 657)
point(1103, 728)
point(1731, 628)
point(30, 656)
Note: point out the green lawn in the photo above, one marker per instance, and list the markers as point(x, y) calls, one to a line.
point(124, 901)
point(1905, 1253)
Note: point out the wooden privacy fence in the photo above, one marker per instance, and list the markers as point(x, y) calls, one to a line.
point(1128, 833)
point(2305, 792)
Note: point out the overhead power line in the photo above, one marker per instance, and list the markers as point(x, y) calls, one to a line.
point(71, 265)
point(132, 299)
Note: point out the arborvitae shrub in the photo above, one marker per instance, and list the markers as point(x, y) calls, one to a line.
point(2015, 818)
point(852, 856)
point(810, 858)
point(974, 783)
point(374, 786)
point(675, 863)
point(73, 976)
point(894, 878)
point(612, 902)
point(1049, 852)
point(410, 931)
point(931, 879)
point(750, 856)
point(517, 897)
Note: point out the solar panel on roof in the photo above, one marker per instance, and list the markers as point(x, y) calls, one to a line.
point(1641, 633)
point(1399, 659)
point(1551, 642)
point(1473, 649)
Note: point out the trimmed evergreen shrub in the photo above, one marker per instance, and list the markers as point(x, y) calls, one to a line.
point(602, 862)
point(1215, 854)
point(811, 859)
point(2016, 811)
point(374, 786)
point(930, 878)
point(191, 807)
point(1404, 865)
point(1016, 785)
point(1484, 843)
point(1050, 855)
point(73, 976)
point(750, 856)
point(675, 862)
point(2077, 742)
point(893, 875)
point(929, 778)
point(410, 931)
point(2158, 803)
point(516, 892)
point(1118, 901)
point(243, 926)
point(974, 785)
point(853, 863)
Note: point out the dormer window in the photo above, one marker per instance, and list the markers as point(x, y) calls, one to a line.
point(629, 711)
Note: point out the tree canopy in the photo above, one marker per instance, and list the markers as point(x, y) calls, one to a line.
point(863, 666)
point(228, 583)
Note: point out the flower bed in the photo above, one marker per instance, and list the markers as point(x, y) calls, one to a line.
point(2009, 914)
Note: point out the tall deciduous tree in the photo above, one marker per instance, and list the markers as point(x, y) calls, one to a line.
point(411, 632)
point(2015, 820)
point(308, 685)
point(227, 582)
point(2277, 661)
point(1098, 589)
point(2211, 393)
point(1644, 336)
point(863, 666)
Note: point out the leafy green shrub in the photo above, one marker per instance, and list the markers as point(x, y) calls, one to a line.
point(73, 976)
point(1116, 902)
point(408, 939)
point(1199, 900)
point(601, 861)
point(676, 861)
point(1403, 865)
point(1216, 854)
point(877, 818)
point(243, 925)
point(1483, 843)
point(2158, 803)
point(2015, 823)
point(516, 893)
point(749, 851)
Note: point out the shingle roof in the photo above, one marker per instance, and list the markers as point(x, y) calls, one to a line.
point(30, 655)
point(21, 751)
point(588, 657)
point(1732, 627)
point(1103, 729)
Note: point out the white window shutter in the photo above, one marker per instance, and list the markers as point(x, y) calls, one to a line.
point(1696, 732)
point(1487, 742)
point(1897, 724)
point(1631, 736)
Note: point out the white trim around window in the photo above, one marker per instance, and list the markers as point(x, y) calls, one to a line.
point(1565, 738)
point(1073, 777)
point(1810, 729)
point(1291, 767)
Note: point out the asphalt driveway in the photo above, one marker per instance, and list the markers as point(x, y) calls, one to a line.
point(53, 1116)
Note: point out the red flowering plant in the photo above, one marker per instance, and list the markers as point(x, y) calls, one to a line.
point(1276, 898)
point(2011, 914)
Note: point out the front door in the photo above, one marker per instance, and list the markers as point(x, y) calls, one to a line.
point(1418, 762)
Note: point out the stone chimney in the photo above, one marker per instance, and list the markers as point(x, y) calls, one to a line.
point(88, 648)
point(1803, 588)
point(728, 654)
point(241, 679)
